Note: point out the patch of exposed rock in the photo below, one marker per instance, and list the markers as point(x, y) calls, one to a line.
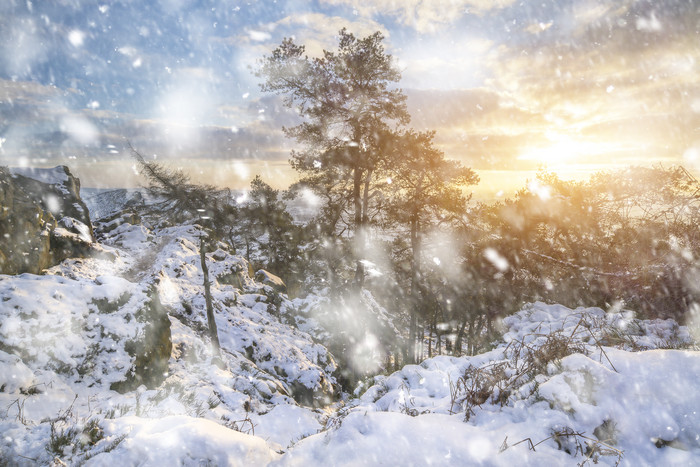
point(43, 220)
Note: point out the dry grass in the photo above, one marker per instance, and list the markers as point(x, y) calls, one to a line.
point(574, 443)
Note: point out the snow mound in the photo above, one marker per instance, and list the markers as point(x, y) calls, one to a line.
point(553, 393)
point(181, 441)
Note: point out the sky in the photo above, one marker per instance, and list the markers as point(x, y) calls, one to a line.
point(573, 86)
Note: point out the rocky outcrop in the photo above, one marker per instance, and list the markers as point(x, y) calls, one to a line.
point(270, 279)
point(56, 190)
point(42, 219)
point(25, 229)
point(151, 350)
point(109, 204)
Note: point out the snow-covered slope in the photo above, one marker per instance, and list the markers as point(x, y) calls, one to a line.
point(563, 387)
point(103, 202)
point(70, 339)
point(553, 393)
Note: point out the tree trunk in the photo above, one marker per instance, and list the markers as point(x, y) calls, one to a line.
point(457, 351)
point(365, 198)
point(359, 228)
point(434, 329)
point(421, 341)
point(213, 331)
point(430, 340)
point(232, 243)
point(413, 331)
point(411, 344)
point(474, 329)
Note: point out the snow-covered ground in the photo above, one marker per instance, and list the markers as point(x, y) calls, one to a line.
point(68, 336)
point(554, 392)
point(563, 387)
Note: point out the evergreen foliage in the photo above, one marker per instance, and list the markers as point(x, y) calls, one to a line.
point(347, 102)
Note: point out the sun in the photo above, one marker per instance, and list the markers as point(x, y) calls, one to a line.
point(563, 152)
point(558, 154)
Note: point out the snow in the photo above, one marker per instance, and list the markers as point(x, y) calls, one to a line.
point(418, 413)
point(181, 440)
point(74, 225)
point(568, 383)
point(275, 425)
point(64, 343)
point(389, 438)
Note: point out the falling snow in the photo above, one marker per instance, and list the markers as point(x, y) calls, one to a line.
point(524, 291)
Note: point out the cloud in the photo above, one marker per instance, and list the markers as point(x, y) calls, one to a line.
point(318, 31)
point(80, 129)
point(480, 127)
point(610, 91)
point(538, 27)
point(42, 125)
point(477, 109)
point(38, 121)
point(505, 84)
point(591, 102)
point(456, 61)
point(423, 16)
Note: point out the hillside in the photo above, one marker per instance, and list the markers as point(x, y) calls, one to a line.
point(107, 359)
point(560, 376)
point(79, 344)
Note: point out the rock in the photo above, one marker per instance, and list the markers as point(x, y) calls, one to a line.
point(31, 201)
point(323, 394)
point(57, 191)
point(109, 223)
point(25, 229)
point(270, 279)
point(236, 275)
point(151, 350)
point(110, 203)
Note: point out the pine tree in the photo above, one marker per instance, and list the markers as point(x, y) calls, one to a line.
point(425, 190)
point(264, 220)
point(346, 101)
point(180, 199)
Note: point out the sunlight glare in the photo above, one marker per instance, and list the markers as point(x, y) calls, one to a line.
point(564, 151)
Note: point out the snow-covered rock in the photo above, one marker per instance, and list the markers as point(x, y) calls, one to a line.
point(271, 280)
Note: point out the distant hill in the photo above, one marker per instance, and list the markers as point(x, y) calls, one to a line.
point(104, 202)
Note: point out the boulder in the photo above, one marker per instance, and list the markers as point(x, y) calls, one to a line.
point(42, 219)
point(107, 224)
point(151, 349)
point(270, 279)
point(237, 274)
